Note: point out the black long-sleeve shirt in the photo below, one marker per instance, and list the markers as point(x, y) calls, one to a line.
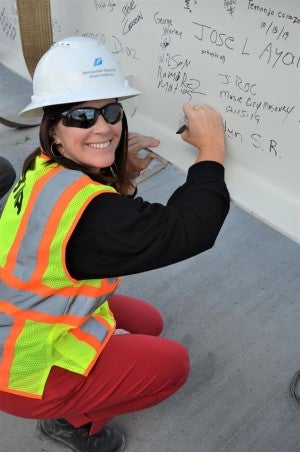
point(118, 235)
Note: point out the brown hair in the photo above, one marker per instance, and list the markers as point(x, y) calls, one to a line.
point(115, 176)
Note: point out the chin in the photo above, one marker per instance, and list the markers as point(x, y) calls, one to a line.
point(96, 166)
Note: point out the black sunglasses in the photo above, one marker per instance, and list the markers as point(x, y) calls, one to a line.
point(85, 117)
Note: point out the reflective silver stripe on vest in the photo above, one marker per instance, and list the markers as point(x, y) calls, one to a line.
point(94, 328)
point(27, 254)
point(55, 304)
point(5, 328)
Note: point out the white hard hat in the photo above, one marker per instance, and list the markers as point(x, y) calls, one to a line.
point(76, 69)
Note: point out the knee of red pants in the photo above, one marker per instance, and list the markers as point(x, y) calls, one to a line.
point(178, 364)
point(135, 315)
point(134, 365)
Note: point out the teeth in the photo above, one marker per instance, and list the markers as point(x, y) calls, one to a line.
point(99, 145)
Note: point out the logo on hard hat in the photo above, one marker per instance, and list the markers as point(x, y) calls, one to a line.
point(98, 61)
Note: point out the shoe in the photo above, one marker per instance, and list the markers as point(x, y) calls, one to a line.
point(108, 439)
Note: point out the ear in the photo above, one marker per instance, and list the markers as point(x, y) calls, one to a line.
point(54, 136)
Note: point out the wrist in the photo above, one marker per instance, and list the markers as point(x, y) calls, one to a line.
point(131, 187)
point(132, 193)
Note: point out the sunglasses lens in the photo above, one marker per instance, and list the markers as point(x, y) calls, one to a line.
point(112, 113)
point(83, 118)
point(86, 117)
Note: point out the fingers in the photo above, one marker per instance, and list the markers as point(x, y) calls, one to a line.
point(201, 115)
point(198, 109)
point(137, 164)
point(147, 160)
point(136, 142)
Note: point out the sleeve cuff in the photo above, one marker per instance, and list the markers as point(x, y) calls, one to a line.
point(206, 168)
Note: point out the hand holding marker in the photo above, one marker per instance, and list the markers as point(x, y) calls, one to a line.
point(204, 130)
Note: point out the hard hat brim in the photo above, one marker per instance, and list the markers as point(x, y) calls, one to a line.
point(35, 108)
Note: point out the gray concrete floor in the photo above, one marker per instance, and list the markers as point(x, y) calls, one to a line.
point(235, 307)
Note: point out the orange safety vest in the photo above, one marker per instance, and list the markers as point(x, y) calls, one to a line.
point(47, 317)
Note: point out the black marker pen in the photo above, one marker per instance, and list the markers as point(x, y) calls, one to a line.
point(183, 125)
point(182, 129)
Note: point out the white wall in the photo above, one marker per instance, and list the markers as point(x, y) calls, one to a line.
point(240, 56)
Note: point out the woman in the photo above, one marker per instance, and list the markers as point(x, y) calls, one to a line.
point(71, 227)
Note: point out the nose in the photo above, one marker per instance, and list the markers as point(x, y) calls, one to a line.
point(101, 125)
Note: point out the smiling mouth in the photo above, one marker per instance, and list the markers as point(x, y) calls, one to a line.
point(99, 145)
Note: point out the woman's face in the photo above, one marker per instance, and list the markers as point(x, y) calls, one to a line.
point(93, 148)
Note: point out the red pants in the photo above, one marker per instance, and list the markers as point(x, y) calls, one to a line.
point(134, 371)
